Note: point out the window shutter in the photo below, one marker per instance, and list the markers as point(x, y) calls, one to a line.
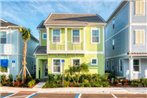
point(137, 7)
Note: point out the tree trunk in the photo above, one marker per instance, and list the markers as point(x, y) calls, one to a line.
point(24, 63)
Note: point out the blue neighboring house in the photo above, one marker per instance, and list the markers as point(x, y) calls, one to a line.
point(11, 45)
point(126, 40)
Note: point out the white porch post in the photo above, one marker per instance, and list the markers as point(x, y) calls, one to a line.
point(66, 42)
point(131, 68)
point(37, 68)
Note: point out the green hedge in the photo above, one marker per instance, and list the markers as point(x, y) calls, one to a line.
point(81, 80)
point(139, 82)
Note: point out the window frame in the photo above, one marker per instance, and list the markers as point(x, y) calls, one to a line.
point(96, 61)
point(137, 65)
point(76, 59)
point(59, 36)
point(43, 36)
point(79, 37)
point(6, 37)
point(98, 35)
point(143, 14)
point(53, 65)
point(144, 41)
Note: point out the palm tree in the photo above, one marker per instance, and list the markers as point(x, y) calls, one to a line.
point(26, 34)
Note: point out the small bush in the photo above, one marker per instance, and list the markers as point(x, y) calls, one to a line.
point(139, 82)
point(3, 80)
point(31, 83)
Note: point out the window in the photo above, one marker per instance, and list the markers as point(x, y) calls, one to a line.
point(44, 36)
point(120, 66)
point(139, 37)
point(56, 36)
point(94, 62)
point(76, 36)
point(113, 23)
point(112, 65)
point(113, 43)
point(3, 38)
point(56, 66)
point(139, 7)
point(95, 36)
point(136, 65)
point(76, 62)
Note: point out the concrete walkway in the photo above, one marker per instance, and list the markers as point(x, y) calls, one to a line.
point(39, 85)
point(118, 90)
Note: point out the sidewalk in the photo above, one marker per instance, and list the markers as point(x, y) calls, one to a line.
point(87, 90)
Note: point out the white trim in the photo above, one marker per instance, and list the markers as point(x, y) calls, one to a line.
point(139, 24)
point(43, 36)
point(123, 54)
point(84, 42)
point(73, 52)
point(95, 24)
point(130, 27)
point(79, 37)
point(48, 40)
point(103, 40)
point(53, 66)
point(99, 31)
point(96, 61)
point(135, 37)
point(75, 59)
point(66, 39)
point(59, 35)
point(139, 65)
point(47, 18)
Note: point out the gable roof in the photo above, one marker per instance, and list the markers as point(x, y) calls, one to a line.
point(73, 20)
point(4, 23)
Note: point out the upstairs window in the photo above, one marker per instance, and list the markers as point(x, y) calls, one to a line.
point(140, 7)
point(139, 37)
point(44, 36)
point(3, 38)
point(95, 36)
point(113, 44)
point(76, 36)
point(56, 36)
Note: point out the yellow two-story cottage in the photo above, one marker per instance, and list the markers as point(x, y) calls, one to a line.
point(70, 40)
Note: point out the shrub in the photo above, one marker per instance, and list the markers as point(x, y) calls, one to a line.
point(139, 82)
point(31, 83)
point(3, 79)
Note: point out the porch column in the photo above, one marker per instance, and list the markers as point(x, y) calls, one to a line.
point(37, 68)
point(131, 68)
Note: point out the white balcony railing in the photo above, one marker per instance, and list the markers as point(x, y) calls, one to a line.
point(5, 48)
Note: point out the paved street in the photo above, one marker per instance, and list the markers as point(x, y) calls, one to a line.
point(30, 94)
point(11, 92)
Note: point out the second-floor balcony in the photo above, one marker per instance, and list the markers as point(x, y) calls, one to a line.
point(68, 47)
point(5, 49)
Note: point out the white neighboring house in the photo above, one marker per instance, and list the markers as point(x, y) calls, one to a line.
point(11, 45)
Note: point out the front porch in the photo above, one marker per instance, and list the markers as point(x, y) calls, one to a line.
point(41, 68)
point(135, 68)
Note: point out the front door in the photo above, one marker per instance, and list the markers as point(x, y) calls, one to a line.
point(45, 69)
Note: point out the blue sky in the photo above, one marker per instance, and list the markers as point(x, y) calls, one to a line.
point(29, 13)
